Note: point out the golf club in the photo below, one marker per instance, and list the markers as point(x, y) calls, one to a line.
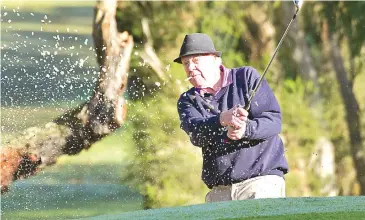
point(298, 5)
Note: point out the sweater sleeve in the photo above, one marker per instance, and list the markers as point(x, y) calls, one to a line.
point(265, 115)
point(203, 131)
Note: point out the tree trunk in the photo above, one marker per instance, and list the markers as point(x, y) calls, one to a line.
point(322, 162)
point(352, 111)
point(79, 128)
point(304, 66)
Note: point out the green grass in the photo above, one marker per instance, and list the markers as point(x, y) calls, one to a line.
point(84, 185)
point(56, 201)
point(317, 216)
point(44, 4)
point(52, 16)
point(47, 53)
point(53, 28)
point(288, 208)
point(31, 116)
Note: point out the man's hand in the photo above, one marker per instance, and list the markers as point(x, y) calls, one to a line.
point(236, 134)
point(235, 117)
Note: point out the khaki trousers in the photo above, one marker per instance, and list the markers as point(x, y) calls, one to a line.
point(269, 186)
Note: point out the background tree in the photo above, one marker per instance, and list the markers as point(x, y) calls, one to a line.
point(341, 23)
point(78, 128)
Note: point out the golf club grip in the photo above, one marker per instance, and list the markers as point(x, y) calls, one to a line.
point(247, 106)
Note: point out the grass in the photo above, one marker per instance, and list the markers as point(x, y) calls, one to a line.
point(52, 16)
point(44, 6)
point(41, 201)
point(31, 116)
point(47, 55)
point(52, 28)
point(288, 208)
point(84, 185)
point(318, 216)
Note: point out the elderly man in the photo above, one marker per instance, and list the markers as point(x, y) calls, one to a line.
point(243, 155)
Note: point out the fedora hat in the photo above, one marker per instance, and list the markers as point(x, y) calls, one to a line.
point(197, 43)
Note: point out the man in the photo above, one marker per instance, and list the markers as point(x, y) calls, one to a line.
point(243, 155)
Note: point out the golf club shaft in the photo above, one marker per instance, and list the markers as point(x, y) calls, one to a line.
point(253, 92)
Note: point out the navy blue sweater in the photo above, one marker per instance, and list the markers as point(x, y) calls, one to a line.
point(260, 152)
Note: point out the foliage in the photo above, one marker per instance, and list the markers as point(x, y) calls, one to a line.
point(164, 166)
point(300, 132)
point(165, 29)
point(346, 19)
point(343, 20)
point(224, 30)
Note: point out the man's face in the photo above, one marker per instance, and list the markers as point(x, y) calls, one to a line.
point(203, 70)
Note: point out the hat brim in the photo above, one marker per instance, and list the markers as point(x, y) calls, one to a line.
point(178, 60)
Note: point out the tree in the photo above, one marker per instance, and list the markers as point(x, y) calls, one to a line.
point(341, 22)
point(297, 62)
point(79, 128)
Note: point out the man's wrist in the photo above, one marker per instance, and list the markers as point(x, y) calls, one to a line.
point(221, 121)
point(247, 131)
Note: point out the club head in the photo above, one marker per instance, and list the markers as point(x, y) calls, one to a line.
point(298, 3)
